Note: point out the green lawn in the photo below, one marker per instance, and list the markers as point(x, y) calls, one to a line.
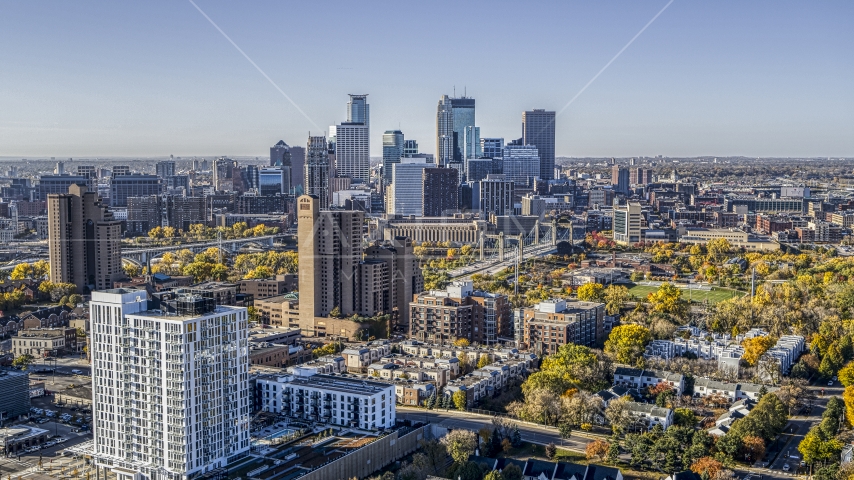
point(714, 296)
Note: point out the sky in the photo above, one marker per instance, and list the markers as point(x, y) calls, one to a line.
point(758, 78)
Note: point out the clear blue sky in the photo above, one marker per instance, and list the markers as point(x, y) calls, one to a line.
point(99, 78)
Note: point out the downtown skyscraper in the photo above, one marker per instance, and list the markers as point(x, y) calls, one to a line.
point(351, 141)
point(393, 150)
point(538, 129)
point(453, 115)
point(317, 170)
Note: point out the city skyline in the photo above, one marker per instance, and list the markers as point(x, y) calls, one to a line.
point(763, 79)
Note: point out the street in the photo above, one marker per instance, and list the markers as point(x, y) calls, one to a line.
point(456, 419)
point(794, 432)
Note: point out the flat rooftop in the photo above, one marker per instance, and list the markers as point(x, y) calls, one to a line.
point(337, 383)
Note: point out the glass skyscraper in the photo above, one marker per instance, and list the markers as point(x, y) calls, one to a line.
point(358, 110)
point(452, 117)
point(393, 150)
point(521, 164)
point(471, 143)
point(538, 129)
point(463, 109)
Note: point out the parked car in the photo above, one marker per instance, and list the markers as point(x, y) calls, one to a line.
point(830, 383)
point(786, 467)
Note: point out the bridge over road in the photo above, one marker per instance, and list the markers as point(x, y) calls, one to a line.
point(142, 256)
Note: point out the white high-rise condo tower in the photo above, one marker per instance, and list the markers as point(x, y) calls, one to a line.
point(170, 384)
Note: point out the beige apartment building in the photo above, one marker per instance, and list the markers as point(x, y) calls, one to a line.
point(84, 240)
point(334, 276)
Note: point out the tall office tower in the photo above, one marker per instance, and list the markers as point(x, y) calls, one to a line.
point(271, 181)
point(60, 168)
point(404, 277)
point(330, 249)
point(471, 146)
point(170, 384)
point(496, 195)
point(410, 147)
point(538, 129)
point(463, 117)
point(352, 151)
point(358, 110)
point(91, 173)
point(445, 132)
point(280, 156)
point(223, 174)
point(251, 174)
point(628, 220)
point(136, 185)
point(492, 148)
point(316, 169)
point(478, 168)
point(144, 213)
point(297, 170)
point(405, 193)
point(620, 179)
point(165, 168)
point(119, 170)
point(181, 212)
point(522, 164)
point(84, 240)
point(471, 143)
point(393, 151)
point(440, 191)
point(452, 118)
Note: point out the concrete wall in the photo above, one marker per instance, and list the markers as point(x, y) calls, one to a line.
point(370, 458)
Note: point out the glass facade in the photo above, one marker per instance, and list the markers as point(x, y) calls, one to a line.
point(271, 181)
point(521, 164)
point(393, 150)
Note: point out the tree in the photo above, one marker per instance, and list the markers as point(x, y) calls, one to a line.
point(494, 475)
point(40, 269)
point(131, 270)
point(23, 361)
point(462, 342)
point(435, 453)
point(259, 272)
point(626, 343)
point(565, 430)
point(551, 451)
point(684, 417)
point(22, 271)
point(512, 472)
point(460, 444)
point(667, 300)
point(75, 299)
point(753, 446)
point(615, 297)
point(459, 399)
point(597, 448)
point(591, 292)
point(483, 361)
point(618, 415)
point(571, 366)
point(540, 406)
point(613, 456)
point(506, 445)
point(707, 466)
point(846, 374)
point(755, 347)
point(815, 447)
